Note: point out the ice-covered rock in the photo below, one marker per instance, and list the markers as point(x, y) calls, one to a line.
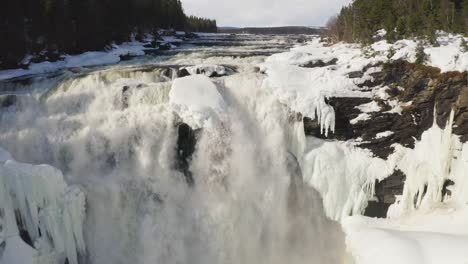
point(36, 199)
point(196, 99)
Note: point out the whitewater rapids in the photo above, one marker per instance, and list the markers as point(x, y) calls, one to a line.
point(113, 133)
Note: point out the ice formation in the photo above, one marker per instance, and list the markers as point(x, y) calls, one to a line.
point(36, 199)
point(437, 157)
point(343, 174)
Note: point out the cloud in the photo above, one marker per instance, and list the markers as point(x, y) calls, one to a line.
point(265, 12)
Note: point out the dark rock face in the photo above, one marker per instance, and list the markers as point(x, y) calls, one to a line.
point(319, 63)
point(422, 89)
point(385, 192)
point(125, 96)
point(182, 73)
point(8, 100)
point(164, 46)
point(425, 87)
point(445, 188)
point(345, 111)
point(186, 142)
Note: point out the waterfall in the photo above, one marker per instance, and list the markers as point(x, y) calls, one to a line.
point(240, 199)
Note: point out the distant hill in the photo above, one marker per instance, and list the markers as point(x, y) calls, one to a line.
point(272, 30)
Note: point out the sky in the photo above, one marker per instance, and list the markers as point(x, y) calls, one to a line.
point(241, 13)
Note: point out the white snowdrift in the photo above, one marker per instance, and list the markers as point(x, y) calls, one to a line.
point(435, 237)
point(51, 212)
point(197, 101)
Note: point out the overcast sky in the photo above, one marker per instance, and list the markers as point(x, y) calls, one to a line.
point(265, 12)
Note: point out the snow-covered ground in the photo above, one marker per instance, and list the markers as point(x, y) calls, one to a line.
point(435, 236)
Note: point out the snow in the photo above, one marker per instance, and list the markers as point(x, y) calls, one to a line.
point(46, 205)
point(369, 107)
point(384, 134)
point(359, 118)
point(197, 100)
point(16, 251)
point(422, 237)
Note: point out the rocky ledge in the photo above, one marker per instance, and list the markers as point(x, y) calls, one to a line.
point(413, 95)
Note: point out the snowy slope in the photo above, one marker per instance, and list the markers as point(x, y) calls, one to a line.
point(424, 237)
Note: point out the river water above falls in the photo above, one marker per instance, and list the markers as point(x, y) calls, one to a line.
point(171, 175)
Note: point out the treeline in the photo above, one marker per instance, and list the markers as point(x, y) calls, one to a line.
point(53, 27)
point(199, 24)
point(400, 18)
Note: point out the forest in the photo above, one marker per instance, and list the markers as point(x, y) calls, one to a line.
point(49, 28)
point(359, 21)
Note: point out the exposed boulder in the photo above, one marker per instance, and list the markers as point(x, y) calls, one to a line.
point(207, 70)
point(164, 46)
point(182, 73)
point(385, 193)
point(8, 100)
point(319, 63)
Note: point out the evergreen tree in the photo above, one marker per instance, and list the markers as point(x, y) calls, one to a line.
point(400, 18)
point(54, 27)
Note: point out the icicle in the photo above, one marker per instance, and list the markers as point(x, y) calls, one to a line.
point(44, 203)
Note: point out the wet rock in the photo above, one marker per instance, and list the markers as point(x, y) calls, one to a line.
point(355, 74)
point(191, 35)
point(126, 57)
point(183, 73)
point(168, 73)
point(186, 142)
point(76, 70)
point(301, 40)
point(319, 63)
point(345, 111)
point(125, 96)
point(386, 192)
point(164, 46)
point(8, 100)
point(445, 189)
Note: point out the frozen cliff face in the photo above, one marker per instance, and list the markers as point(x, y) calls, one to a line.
point(374, 105)
point(36, 202)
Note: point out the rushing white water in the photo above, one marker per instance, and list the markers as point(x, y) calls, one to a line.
point(248, 203)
